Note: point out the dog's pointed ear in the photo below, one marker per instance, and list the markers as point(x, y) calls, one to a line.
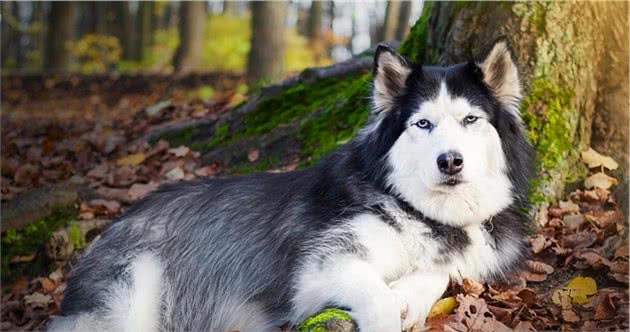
point(500, 74)
point(390, 74)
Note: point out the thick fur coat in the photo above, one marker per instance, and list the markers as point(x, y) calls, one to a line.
point(433, 189)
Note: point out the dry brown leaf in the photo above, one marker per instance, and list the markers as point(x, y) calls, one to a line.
point(179, 151)
point(594, 159)
point(569, 207)
point(139, 190)
point(131, 160)
point(175, 174)
point(605, 309)
point(539, 267)
point(37, 298)
point(599, 180)
point(473, 315)
point(539, 243)
point(524, 326)
point(573, 221)
point(473, 287)
point(253, 155)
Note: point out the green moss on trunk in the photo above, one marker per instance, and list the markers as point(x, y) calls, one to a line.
point(30, 241)
point(324, 321)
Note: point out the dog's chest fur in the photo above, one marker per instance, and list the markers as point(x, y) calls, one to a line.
point(397, 242)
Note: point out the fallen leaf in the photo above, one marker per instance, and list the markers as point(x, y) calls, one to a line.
point(605, 309)
point(111, 206)
point(622, 251)
point(580, 288)
point(175, 174)
point(131, 160)
point(157, 108)
point(569, 207)
point(524, 326)
point(593, 159)
point(443, 307)
point(579, 240)
point(539, 267)
point(573, 221)
point(568, 315)
point(539, 243)
point(599, 180)
point(179, 151)
point(139, 190)
point(473, 287)
point(37, 298)
point(23, 259)
point(473, 315)
point(253, 155)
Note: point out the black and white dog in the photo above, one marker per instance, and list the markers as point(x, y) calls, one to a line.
point(433, 188)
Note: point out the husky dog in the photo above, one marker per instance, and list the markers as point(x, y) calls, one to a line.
point(433, 189)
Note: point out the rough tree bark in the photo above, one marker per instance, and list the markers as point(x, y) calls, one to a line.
point(60, 31)
point(192, 21)
point(565, 49)
point(265, 62)
point(390, 24)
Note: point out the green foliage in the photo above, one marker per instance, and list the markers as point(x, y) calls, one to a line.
point(95, 53)
point(76, 236)
point(227, 43)
point(414, 46)
point(317, 323)
point(31, 239)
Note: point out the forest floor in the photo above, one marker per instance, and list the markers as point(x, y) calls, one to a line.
point(92, 134)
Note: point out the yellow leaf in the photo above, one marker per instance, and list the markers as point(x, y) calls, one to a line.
point(580, 288)
point(443, 307)
point(599, 180)
point(131, 160)
point(593, 159)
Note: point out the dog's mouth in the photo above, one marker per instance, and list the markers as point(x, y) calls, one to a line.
point(451, 181)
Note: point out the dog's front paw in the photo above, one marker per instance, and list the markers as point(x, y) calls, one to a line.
point(380, 314)
point(414, 307)
point(418, 293)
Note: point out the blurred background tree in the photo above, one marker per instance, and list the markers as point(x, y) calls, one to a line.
point(167, 36)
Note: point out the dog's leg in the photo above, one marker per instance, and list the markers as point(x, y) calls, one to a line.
point(419, 291)
point(348, 282)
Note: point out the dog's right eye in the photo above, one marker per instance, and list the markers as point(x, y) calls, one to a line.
point(424, 124)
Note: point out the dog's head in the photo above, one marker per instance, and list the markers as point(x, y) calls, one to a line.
point(457, 150)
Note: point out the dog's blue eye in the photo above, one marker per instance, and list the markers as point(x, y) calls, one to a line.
point(424, 124)
point(470, 119)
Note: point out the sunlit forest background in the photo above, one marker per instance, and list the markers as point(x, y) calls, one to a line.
point(145, 36)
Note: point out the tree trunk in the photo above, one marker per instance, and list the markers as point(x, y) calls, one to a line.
point(143, 26)
point(265, 62)
point(60, 31)
point(128, 42)
point(192, 21)
point(403, 20)
point(7, 31)
point(232, 8)
point(390, 24)
point(314, 29)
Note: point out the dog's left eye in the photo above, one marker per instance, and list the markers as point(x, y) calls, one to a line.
point(424, 124)
point(470, 119)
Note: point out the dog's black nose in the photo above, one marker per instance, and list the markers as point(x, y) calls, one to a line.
point(450, 163)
